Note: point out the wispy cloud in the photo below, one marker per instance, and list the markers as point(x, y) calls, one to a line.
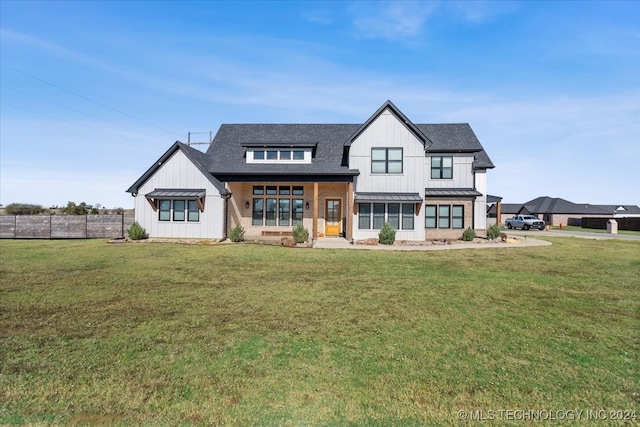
point(481, 10)
point(390, 19)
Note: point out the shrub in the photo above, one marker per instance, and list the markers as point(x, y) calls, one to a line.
point(23, 209)
point(493, 232)
point(469, 234)
point(236, 234)
point(137, 232)
point(387, 234)
point(300, 234)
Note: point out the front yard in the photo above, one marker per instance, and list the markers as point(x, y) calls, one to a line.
point(166, 334)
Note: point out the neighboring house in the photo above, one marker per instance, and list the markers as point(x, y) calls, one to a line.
point(427, 180)
point(556, 211)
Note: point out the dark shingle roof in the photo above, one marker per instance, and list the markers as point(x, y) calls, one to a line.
point(228, 156)
point(456, 138)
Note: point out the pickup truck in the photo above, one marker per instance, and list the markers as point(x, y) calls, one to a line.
point(525, 222)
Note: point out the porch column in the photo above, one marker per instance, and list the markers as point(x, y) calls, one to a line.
point(315, 210)
point(349, 215)
point(498, 213)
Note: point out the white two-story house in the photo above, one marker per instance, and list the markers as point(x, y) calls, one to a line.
point(345, 180)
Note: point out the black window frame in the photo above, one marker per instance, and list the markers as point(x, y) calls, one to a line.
point(439, 172)
point(387, 161)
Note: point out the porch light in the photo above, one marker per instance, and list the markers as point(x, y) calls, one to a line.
point(246, 204)
point(306, 206)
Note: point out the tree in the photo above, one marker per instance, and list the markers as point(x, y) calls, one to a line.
point(73, 209)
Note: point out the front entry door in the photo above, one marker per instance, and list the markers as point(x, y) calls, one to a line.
point(333, 215)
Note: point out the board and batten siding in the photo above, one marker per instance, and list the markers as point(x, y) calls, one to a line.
point(462, 172)
point(480, 207)
point(388, 131)
point(178, 172)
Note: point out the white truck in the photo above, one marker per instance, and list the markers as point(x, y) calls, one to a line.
point(525, 222)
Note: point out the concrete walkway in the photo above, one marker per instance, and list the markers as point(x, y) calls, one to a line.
point(567, 233)
point(340, 243)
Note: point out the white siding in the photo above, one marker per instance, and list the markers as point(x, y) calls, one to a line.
point(480, 206)
point(462, 172)
point(388, 131)
point(179, 173)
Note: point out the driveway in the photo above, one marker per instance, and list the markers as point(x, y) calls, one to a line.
point(565, 233)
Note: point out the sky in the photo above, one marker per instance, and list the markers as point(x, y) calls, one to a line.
point(93, 93)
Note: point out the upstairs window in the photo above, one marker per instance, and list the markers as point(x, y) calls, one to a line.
point(386, 160)
point(441, 167)
point(279, 155)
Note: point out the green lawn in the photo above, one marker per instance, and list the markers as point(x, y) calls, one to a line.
point(164, 334)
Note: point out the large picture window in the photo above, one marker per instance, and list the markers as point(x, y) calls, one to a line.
point(430, 212)
point(278, 210)
point(386, 160)
point(399, 215)
point(457, 216)
point(443, 216)
point(165, 210)
point(441, 167)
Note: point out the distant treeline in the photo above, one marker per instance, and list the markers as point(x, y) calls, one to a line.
point(71, 209)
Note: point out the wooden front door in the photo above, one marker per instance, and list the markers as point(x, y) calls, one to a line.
point(333, 217)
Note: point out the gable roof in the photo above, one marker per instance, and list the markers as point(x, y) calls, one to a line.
point(331, 142)
point(198, 158)
point(399, 115)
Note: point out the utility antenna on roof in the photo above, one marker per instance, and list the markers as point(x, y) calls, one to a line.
point(190, 143)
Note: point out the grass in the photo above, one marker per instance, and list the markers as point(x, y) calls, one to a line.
point(592, 230)
point(167, 334)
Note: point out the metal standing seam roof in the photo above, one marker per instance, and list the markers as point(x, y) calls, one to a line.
point(170, 193)
point(451, 192)
point(388, 197)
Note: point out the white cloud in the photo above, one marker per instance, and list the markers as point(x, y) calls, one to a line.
point(391, 20)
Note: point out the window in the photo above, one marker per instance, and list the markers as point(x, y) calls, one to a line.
point(285, 191)
point(408, 210)
point(364, 216)
point(443, 216)
point(279, 209)
point(284, 210)
point(399, 216)
point(285, 155)
point(394, 215)
point(441, 167)
point(178, 210)
point(272, 154)
point(271, 212)
point(378, 215)
point(193, 213)
point(386, 160)
point(258, 211)
point(430, 216)
point(457, 216)
point(296, 214)
point(165, 210)
point(275, 155)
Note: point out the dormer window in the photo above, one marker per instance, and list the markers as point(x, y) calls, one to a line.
point(279, 155)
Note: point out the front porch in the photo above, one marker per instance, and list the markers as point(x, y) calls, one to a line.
point(267, 209)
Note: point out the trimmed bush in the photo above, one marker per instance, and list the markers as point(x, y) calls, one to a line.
point(469, 234)
point(387, 234)
point(300, 234)
point(236, 234)
point(493, 232)
point(137, 232)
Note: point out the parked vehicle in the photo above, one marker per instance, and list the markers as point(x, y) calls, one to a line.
point(525, 222)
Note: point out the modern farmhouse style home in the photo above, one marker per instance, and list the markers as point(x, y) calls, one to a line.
point(428, 181)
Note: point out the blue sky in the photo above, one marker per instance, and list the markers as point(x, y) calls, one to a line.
point(92, 93)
